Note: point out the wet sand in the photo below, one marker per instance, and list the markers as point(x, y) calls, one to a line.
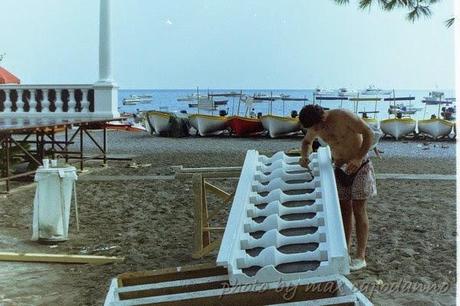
point(412, 224)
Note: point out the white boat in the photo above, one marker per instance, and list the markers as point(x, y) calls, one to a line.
point(403, 109)
point(159, 121)
point(373, 91)
point(135, 99)
point(398, 127)
point(278, 126)
point(208, 125)
point(167, 123)
point(435, 127)
point(192, 97)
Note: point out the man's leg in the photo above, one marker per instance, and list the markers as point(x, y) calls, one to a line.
point(347, 219)
point(362, 226)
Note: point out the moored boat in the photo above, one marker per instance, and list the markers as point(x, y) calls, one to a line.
point(208, 125)
point(398, 127)
point(167, 123)
point(435, 127)
point(244, 126)
point(278, 126)
point(159, 121)
point(135, 99)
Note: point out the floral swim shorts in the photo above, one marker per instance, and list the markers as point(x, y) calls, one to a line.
point(363, 186)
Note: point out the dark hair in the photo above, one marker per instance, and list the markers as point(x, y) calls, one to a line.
point(310, 115)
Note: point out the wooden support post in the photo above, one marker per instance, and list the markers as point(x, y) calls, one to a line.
point(7, 161)
point(198, 237)
point(105, 145)
point(202, 244)
point(66, 145)
point(204, 217)
point(81, 147)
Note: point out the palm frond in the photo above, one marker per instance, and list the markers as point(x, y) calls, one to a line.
point(341, 2)
point(450, 22)
point(363, 4)
point(419, 11)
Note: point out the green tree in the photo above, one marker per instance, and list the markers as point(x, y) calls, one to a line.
point(415, 8)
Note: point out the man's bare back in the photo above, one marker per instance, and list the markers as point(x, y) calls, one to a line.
point(348, 136)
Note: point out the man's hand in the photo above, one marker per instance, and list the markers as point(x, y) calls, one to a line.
point(353, 165)
point(304, 162)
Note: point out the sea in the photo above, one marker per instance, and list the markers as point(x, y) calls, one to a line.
point(166, 100)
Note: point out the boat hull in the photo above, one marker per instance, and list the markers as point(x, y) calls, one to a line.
point(372, 122)
point(435, 127)
point(398, 127)
point(208, 125)
point(159, 121)
point(242, 126)
point(280, 126)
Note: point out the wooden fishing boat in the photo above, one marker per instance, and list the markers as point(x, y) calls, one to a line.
point(244, 126)
point(435, 127)
point(168, 123)
point(278, 126)
point(398, 127)
point(208, 125)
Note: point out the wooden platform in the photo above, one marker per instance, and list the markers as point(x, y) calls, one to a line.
point(31, 139)
point(207, 284)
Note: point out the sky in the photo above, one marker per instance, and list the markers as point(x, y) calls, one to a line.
point(240, 44)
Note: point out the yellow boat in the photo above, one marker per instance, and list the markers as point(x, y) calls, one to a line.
point(159, 121)
point(398, 127)
point(278, 126)
point(372, 122)
point(435, 127)
point(207, 125)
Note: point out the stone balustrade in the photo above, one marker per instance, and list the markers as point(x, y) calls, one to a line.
point(56, 101)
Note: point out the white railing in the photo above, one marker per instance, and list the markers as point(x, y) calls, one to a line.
point(44, 100)
point(56, 101)
point(274, 177)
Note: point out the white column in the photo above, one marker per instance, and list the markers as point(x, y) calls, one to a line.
point(105, 90)
point(105, 41)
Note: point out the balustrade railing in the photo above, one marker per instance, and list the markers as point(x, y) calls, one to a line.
point(47, 100)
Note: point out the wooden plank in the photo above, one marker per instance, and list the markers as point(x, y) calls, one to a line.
point(197, 215)
point(59, 258)
point(226, 174)
point(218, 228)
point(174, 287)
point(171, 274)
point(216, 190)
point(241, 296)
point(209, 169)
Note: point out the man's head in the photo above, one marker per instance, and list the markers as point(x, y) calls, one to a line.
point(311, 115)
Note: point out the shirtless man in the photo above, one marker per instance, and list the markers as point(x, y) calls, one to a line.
point(349, 138)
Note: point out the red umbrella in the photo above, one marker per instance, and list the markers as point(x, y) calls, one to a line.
point(8, 78)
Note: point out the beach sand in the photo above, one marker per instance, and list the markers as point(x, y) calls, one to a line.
point(412, 222)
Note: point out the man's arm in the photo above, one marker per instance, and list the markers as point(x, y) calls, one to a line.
point(360, 126)
point(306, 148)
